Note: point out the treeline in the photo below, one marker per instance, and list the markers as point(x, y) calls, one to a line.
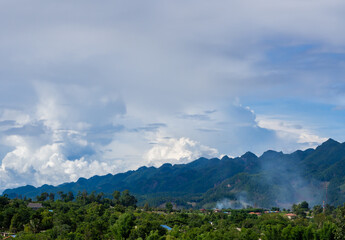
point(94, 216)
point(118, 198)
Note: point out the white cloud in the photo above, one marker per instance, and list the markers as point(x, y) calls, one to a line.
point(62, 148)
point(175, 151)
point(292, 131)
point(46, 164)
point(55, 154)
point(14, 115)
point(86, 87)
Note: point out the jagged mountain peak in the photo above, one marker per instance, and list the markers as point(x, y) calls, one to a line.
point(271, 154)
point(329, 143)
point(249, 155)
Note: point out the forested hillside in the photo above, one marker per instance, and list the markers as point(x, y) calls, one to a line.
point(273, 179)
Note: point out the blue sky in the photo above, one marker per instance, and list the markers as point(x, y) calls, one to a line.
point(89, 88)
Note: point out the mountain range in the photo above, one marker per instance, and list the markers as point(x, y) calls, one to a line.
point(273, 179)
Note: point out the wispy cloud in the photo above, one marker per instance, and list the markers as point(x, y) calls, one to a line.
point(87, 87)
point(294, 132)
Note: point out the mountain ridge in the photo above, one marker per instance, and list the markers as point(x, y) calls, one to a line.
point(274, 178)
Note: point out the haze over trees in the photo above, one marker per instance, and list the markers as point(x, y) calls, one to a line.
point(93, 216)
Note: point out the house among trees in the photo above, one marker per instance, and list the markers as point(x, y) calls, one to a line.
point(10, 237)
point(6, 235)
point(35, 206)
point(291, 215)
point(255, 213)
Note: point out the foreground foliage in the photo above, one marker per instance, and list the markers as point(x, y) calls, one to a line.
point(91, 216)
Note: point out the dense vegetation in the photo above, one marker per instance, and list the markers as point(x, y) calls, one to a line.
point(273, 179)
point(94, 216)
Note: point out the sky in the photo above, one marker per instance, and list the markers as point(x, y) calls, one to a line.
point(89, 88)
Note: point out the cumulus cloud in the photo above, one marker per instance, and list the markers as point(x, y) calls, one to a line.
point(89, 88)
point(56, 142)
point(182, 150)
point(43, 162)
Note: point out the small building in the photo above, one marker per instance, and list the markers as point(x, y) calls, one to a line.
point(271, 211)
point(255, 213)
point(291, 215)
point(35, 206)
point(10, 237)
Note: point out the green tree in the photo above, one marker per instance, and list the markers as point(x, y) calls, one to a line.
point(309, 233)
point(100, 197)
point(42, 197)
point(16, 223)
point(304, 206)
point(51, 196)
point(63, 196)
point(297, 232)
point(123, 226)
point(286, 233)
point(300, 209)
point(249, 234)
point(34, 225)
point(128, 200)
point(116, 197)
point(327, 232)
point(169, 206)
point(317, 209)
point(154, 235)
point(340, 223)
point(70, 197)
point(273, 232)
point(4, 200)
point(146, 207)
point(7, 214)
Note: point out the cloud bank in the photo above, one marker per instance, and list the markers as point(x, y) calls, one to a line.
point(89, 88)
